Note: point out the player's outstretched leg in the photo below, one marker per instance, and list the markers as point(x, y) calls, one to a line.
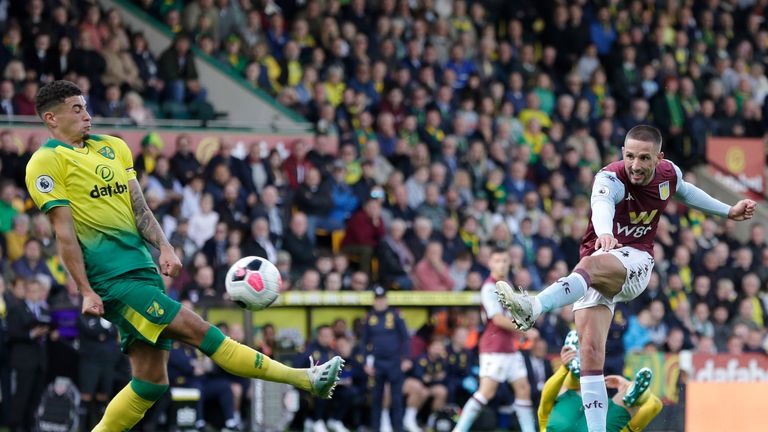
point(525, 308)
point(637, 393)
point(244, 361)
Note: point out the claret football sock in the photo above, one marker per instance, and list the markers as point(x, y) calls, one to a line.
point(245, 361)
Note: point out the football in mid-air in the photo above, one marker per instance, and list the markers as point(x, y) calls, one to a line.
point(253, 283)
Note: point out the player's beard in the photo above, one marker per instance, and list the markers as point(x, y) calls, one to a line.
point(86, 136)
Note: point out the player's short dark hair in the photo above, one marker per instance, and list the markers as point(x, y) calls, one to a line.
point(498, 250)
point(645, 133)
point(55, 93)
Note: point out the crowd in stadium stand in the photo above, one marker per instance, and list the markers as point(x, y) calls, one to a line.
point(462, 126)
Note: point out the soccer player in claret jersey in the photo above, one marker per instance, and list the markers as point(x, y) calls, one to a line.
point(500, 361)
point(628, 197)
point(87, 185)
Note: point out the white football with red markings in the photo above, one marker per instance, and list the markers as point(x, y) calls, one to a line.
point(253, 283)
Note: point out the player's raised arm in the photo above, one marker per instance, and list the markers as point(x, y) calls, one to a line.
point(696, 198)
point(72, 256)
point(150, 230)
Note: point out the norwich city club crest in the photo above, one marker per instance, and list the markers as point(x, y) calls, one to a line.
point(107, 152)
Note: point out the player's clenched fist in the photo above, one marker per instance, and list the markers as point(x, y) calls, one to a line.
point(170, 265)
point(742, 210)
point(607, 242)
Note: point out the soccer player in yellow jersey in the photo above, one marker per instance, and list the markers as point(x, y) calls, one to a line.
point(87, 186)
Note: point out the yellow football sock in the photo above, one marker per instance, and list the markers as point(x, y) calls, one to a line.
point(245, 361)
point(647, 411)
point(129, 406)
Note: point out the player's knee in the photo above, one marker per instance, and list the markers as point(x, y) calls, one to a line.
point(522, 389)
point(588, 264)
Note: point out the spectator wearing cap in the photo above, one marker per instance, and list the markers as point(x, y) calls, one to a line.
point(387, 346)
point(365, 229)
point(431, 272)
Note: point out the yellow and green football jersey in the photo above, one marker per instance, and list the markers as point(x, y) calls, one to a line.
point(93, 182)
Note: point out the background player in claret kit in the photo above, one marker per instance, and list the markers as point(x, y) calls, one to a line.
point(628, 197)
point(87, 185)
point(500, 362)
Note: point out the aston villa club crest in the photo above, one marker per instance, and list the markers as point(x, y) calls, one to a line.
point(664, 190)
point(107, 152)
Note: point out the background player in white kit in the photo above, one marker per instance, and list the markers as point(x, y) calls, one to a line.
point(500, 362)
point(628, 198)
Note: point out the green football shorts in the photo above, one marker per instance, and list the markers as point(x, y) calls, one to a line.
point(137, 304)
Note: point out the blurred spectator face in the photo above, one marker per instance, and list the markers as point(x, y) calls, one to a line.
point(522, 278)
point(474, 281)
point(35, 291)
point(181, 45)
point(233, 254)
point(720, 315)
point(204, 277)
point(313, 178)
point(755, 339)
point(32, 251)
point(725, 291)
point(221, 231)
point(344, 347)
point(745, 309)
point(701, 312)
point(422, 228)
point(544, 257)
point(701, 285)
point(397, 229)
point(675, 340)
point(333, 282)
point(735, 345)
point(373, 209)
point(450, 228)
point(757, 235)
point(434, 252)
point(310, 281)
point(657, 311)
point(260, 229)
point(299, 224)
point(436, 348)
point(518, 171)
point(340, 263)
point(358, 281)
point(531, 201)
point(6, 90)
